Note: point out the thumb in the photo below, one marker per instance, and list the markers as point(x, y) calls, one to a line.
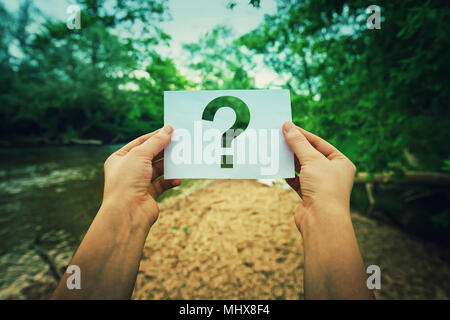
point(298, 143)
point(156, 143)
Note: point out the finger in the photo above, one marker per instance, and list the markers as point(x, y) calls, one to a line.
point(159, 156)
point(295, 182)
point(156, 143)
point(324, 147)
point(160, 185)
point(299, 144)
point(136, 142)
point(158, 168)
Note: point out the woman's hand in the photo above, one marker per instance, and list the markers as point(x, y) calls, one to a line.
point(334, 268)
point(109, 255)
point(325, 177)
point(134, 177)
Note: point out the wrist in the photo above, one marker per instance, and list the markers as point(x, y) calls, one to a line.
point(124, 215)
point(319, 218)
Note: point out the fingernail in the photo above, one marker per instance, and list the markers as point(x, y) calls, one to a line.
point(167, 129)
point(289, 126)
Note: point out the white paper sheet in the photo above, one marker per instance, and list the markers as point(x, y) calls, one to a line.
point(196, 149)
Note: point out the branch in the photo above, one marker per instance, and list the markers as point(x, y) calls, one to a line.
point(412, 177)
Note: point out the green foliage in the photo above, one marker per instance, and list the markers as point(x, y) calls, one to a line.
point(81, 83)
point(446, 166)
point(233, 3)
point(442, 220)
point(377, 94)
point(219, 62)
point(187, 229)
point(381, 96)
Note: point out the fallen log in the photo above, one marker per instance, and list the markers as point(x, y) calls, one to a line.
point(411, 177)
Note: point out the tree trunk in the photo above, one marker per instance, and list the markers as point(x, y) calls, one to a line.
point(413, 177)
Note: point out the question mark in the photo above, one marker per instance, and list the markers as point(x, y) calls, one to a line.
point(242, 120)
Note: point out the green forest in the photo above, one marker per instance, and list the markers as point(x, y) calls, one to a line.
point(379, 95)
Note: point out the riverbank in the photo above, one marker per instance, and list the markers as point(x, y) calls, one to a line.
point(27, 142)
point(236, 239)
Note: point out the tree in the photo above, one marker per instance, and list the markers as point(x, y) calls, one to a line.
point(379, 95)
point(218, 62)
point(72, 84)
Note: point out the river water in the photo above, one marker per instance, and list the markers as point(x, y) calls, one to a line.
point(49, 196)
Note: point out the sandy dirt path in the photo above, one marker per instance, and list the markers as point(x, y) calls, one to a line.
point(236, 239)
